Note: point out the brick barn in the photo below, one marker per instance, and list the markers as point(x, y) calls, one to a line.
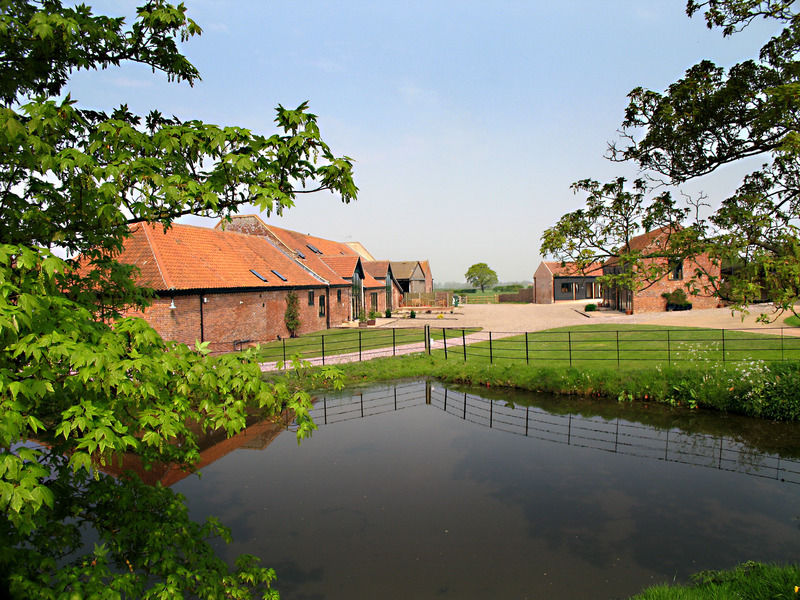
point(227, 288)
point(555, 280)
point(648, 297)
point(326, 258)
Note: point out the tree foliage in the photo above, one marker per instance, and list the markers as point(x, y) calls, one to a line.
point(291, 316)
point(79, 386)
point(481, 275)
point(712, 117)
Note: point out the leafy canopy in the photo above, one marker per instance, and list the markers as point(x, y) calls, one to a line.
point(481, 275)
point(80, 387)
point(710, 118)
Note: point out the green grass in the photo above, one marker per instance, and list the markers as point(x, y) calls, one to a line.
point(344, 341)
point(616, 345)
point(792, 321)
point(750, 581)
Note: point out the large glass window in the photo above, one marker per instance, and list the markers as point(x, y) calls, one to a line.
point(311, 298)
point(322, 306)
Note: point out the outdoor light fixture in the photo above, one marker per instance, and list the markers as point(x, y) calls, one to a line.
point(172, 304)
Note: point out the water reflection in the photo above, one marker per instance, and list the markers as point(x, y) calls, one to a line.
point(618, 435)
point(421, 491)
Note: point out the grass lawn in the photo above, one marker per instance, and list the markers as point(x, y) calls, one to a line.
point(344, 341)
point(605, 345)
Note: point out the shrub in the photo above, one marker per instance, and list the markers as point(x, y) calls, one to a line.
point(374, 314)
point(590, 307)
point(388, 313)
point(291, 317)
point(412, 315)
point(677, 300)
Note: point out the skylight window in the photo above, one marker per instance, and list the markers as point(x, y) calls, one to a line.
point(314, 249)
point(259, 275)
point(281, 277)
point(301, 255)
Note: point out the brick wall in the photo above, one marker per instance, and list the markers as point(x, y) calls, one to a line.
point(234, 320)
point(650, 299)
point(523, 295)
point(543, 290)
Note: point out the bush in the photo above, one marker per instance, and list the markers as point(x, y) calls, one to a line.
point(412, 315)
point(388, 313)
point(677, 300)
point(590, 307)
point(374, 314)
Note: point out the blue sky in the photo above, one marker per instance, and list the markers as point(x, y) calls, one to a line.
point(468, 120)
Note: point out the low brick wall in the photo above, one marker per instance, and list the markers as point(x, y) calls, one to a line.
point(524, 295)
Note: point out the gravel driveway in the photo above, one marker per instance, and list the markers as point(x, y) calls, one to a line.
point(534, 317)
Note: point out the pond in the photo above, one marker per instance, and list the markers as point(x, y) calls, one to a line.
point(415, 490)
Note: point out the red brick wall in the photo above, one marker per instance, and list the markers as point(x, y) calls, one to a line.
point(650, 300)
point(241, 317)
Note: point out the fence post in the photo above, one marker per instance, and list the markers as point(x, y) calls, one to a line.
point(491, 357)
point(569, 346)
point(782, 343)
point(284, 350)
point(322, 343)
point(669, 350)
point(527, 359)
point(394, 345)
point(359, 345)
point(723, 346)
point(618, 350)
point(444, 342)
point(464, 343)
point(428, 339)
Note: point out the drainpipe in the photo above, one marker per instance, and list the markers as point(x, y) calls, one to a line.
point(328, 307)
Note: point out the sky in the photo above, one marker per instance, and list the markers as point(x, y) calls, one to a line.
point(468, 120)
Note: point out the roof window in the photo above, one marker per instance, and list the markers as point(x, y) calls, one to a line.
point(301, 255)
point(281, 277)
point(314, 249)
point(259, 275)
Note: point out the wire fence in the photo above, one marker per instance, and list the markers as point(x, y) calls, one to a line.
point(598, 347)
point(621, 347)
point(618, 435)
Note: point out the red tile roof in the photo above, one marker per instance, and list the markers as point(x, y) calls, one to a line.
point(569, 269)
point(657, 239)
point(187, 257)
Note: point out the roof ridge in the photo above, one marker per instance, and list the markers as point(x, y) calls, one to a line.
point(157, 257)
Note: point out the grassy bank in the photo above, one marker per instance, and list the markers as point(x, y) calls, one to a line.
point(753, 581)
point(756, 389)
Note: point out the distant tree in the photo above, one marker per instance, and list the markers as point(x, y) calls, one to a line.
point(292, 315)
point(481, 275)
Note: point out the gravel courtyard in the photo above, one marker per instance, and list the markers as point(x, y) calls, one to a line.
point(534, 317)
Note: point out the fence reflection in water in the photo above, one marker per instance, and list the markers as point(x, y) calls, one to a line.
point(617, 436)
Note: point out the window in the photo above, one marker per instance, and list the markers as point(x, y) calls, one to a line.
point(322, 306)
point(339, 296)
point(259, 275)
point(281, 277)
point(675, 269)
point(311, 298)
point(566, 288)
point(373, 300)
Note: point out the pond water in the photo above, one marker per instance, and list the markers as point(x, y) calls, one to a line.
point(418, 491)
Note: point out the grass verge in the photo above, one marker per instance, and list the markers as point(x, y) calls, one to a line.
point(756, 389)
point(753, 581)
